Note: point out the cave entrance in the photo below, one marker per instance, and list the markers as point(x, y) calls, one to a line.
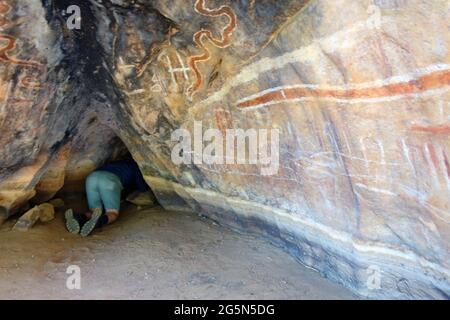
point(95, 150)
point(117, 162)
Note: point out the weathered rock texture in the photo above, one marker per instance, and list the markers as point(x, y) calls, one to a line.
point(358, 89)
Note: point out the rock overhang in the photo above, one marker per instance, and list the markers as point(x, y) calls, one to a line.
point(374, 187)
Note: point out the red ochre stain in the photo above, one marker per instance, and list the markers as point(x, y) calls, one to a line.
point(433, 155)
point(8, 44)
point(428, 82)
point(223, 120)
point(440, 129)
point(4, 7)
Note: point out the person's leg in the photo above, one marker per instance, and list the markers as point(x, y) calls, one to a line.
point(93, 222)
point(110, 193)
point(93, 192)
point(74, 222)
point(110, 188)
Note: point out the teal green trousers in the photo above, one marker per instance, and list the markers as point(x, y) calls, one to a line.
point(103, 189)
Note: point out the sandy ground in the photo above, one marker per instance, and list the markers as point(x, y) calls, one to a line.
point(153, 254)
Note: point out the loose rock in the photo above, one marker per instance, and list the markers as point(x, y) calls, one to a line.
point(142, 198)
point(28, 219)
point(47, 212)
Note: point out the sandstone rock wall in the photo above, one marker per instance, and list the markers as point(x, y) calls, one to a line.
point(359, 91)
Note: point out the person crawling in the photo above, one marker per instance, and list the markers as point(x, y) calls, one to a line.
point(104, 188)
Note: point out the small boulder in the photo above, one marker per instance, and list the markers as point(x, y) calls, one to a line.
point(28, 219)
point(47, 212)
point(142, 198)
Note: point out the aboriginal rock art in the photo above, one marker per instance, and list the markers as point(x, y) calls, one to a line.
point(9, 43)
point(172, 76)
point(202, 35)
point(176, 68)
point(223, 120)
point(358, 90)
point(154, 51)
point(432, 79)
point(443, 129)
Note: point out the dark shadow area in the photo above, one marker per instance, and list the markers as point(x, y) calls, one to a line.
point(75, 198)
point(78, 202)
point(62, 184)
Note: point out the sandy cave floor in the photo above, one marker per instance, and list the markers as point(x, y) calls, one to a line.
point(153, 254)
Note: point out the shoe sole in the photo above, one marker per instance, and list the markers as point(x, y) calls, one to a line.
point(72, 224)
point(90, 225)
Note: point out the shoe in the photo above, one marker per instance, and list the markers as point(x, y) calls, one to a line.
point(90, 225)
point(72, 224)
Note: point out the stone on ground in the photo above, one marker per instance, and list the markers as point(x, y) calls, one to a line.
point(47, 212)
point(142, 198)
point(28, 219)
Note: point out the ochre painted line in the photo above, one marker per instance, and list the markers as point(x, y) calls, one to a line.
point(10, 41)
point(433, 155)
point(440, 129)
point(9, 46)
point(198, 37)
point(4, 8)
point(427, 82)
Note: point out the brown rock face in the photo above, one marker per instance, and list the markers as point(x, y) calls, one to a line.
point(359, 184)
